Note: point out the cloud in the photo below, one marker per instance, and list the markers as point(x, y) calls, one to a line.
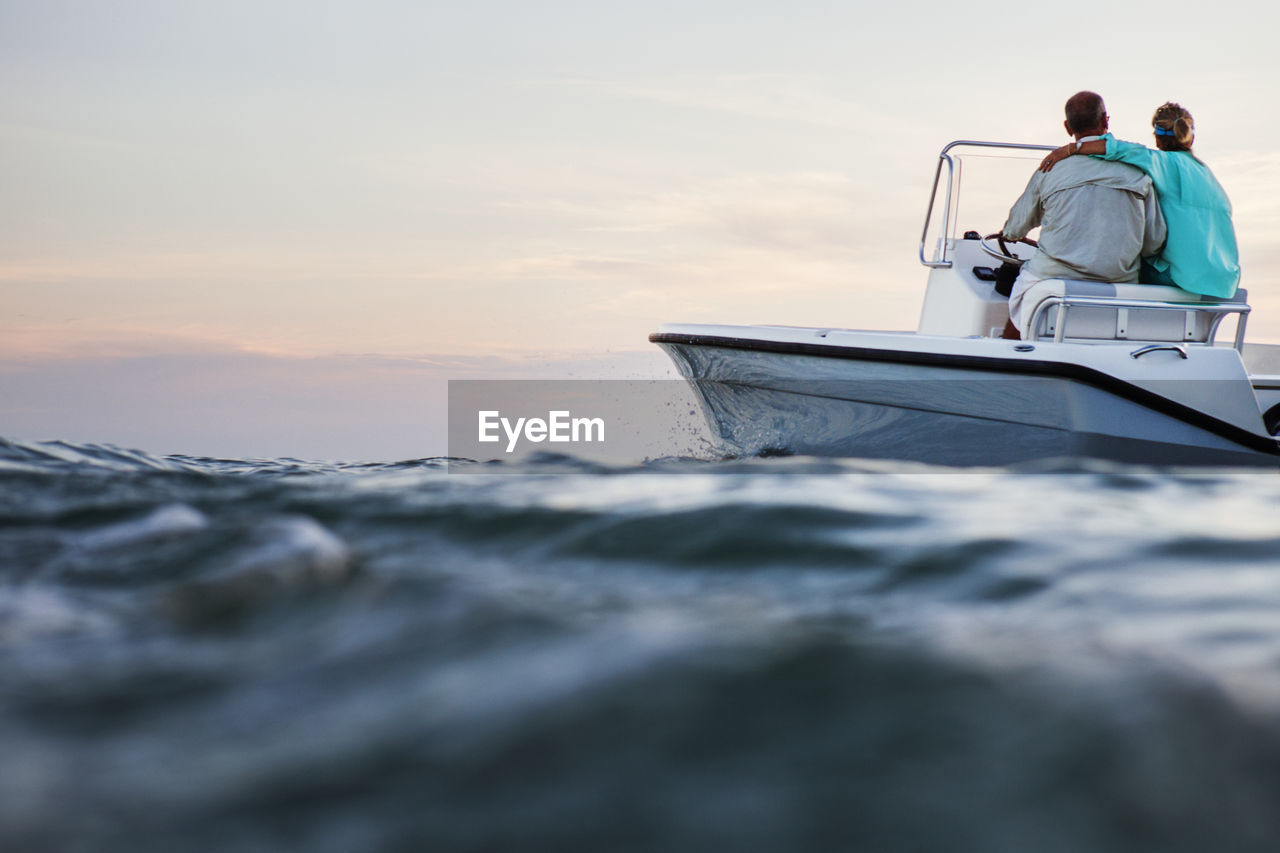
point(789, 98)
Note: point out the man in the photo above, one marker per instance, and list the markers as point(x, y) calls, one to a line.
point(1097, 219)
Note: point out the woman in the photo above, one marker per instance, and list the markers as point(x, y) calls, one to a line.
point(1200, 254)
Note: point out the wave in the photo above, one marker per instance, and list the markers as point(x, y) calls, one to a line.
point(552, 654)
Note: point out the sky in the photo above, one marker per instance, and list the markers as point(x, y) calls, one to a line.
point(277, 228)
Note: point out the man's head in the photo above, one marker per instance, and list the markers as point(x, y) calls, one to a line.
point(1086, 115)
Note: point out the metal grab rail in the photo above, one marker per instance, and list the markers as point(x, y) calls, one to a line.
point(944, 157)
point(1141, 351)
point(1065, 303)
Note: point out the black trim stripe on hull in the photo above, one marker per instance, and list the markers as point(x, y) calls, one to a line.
point(1088, 375)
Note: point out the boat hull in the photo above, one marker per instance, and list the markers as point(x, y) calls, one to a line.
point(969, 412)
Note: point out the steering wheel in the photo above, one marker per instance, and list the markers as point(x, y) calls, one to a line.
point(1003, 253)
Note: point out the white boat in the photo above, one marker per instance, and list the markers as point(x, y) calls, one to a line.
point(1133, 373)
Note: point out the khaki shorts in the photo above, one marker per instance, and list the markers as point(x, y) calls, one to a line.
point(1021, 285)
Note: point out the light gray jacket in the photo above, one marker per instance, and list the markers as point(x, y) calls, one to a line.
point(1097, 220)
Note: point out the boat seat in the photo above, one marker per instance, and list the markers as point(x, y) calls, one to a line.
point(1141, 312)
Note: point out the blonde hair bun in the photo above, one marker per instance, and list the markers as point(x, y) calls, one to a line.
point(1177, 125)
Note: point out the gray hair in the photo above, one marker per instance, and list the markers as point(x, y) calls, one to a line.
point(1085, 111)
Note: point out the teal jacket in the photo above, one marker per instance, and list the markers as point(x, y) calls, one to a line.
point(1200, 254)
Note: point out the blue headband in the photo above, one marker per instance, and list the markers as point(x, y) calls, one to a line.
point(1164, 131)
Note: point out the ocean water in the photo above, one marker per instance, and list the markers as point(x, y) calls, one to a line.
point(754, 654)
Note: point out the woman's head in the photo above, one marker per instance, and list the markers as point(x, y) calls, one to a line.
point(1174, 128)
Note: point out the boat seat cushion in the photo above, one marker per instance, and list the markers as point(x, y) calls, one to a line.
point(1096, 323)
point(1157, 292)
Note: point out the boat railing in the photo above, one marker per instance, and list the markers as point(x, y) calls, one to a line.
point(945, 158)
point(1216, 310)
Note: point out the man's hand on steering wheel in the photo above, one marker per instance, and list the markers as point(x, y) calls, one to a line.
point(1003, 254)
point(1001, 240)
